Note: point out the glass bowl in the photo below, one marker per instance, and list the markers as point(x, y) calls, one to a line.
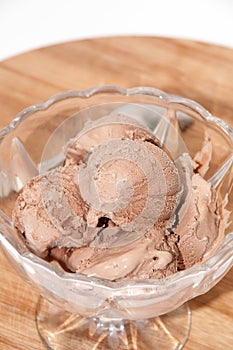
point(131, 314)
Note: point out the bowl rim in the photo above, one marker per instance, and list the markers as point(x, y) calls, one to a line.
point(114, 89)
point(173, 279)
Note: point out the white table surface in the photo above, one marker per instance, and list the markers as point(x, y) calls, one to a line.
point(29, 24)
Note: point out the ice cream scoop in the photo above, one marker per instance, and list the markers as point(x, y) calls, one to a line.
point(120, 206)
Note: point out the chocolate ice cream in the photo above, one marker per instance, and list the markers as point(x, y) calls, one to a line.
point(120, 207)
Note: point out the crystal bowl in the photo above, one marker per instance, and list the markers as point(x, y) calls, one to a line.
point(114, 312)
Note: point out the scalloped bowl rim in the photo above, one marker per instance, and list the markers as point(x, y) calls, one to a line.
point(143, 90)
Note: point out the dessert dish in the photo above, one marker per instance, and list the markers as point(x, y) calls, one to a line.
point(188, 226)
point(120, 207)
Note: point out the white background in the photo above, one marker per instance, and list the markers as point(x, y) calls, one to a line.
point(28, 24)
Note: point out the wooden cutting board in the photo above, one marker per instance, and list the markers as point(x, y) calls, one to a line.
point(195, 70)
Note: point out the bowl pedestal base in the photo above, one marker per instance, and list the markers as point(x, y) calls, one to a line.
point(60, 330)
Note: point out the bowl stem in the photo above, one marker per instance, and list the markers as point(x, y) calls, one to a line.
point(60, 330)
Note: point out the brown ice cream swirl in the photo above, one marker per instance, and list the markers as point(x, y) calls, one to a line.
point(116, 209)
point(129, 180)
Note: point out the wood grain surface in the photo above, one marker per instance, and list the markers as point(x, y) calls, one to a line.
point(195, 70)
